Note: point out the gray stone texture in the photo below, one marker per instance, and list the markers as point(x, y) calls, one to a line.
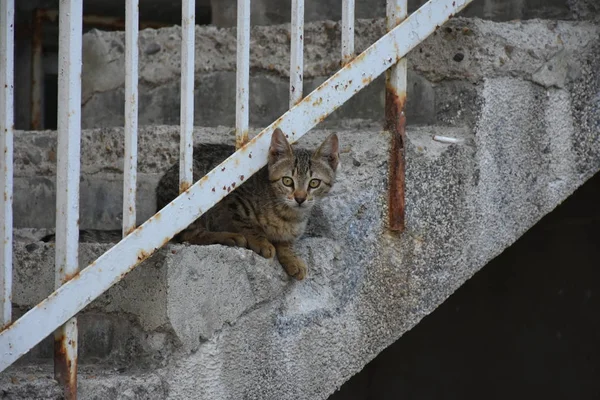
point(223, 14)
point(271, 12)
point(464, 50)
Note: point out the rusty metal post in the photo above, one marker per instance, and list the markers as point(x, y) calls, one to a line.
point(37, 72)
point(67, 183)
point(395, 121)
point(65, 358)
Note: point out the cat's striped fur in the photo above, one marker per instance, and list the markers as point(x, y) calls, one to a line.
point(267, 213)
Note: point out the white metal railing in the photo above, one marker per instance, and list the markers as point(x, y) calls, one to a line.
point(297, 52)
point(76, 289)
point(131, 115)
point(188, 38)
point(347, 31)
point(67, 180)
point(242, 74)
point(7, 35)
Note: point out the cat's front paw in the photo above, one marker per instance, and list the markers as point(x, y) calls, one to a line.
point(234, 240)
point(261, 246)
point(295, 267)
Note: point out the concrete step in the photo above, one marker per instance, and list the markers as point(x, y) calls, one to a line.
point(94, 382)
point(445, 75)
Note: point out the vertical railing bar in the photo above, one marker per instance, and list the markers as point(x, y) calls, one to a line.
point(67, 188)
point(131, 115)
point(297, 52)
point(395, 102)
point(347, 31)
point(242, 73)
point(188, 33)
point(7, 37)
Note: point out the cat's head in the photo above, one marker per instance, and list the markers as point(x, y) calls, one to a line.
point(300, 177)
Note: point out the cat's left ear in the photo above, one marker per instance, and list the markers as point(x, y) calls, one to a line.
point(329, 151)
point(279, 147)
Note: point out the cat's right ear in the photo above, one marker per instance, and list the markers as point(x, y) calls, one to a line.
point(329, 151)
point(279, 147)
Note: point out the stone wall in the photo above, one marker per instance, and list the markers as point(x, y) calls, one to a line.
point(445, 72)
point(271, 12)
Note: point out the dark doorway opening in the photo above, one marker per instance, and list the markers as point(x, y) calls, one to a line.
point(51, 103)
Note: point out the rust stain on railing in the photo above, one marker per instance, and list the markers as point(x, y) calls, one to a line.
point(242, 139)
point(184, 186)
point(395, 122)
point(65, 365)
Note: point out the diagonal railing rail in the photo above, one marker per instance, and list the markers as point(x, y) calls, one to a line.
point(86, 285)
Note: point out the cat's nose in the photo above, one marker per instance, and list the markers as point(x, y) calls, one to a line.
point(300, 199)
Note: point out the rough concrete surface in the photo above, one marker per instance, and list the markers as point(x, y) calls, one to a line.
point(231, 325)
point(463, 49)
point(94, 383)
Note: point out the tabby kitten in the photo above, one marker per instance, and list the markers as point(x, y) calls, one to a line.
point(267, 213)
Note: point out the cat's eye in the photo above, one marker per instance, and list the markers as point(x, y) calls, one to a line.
point(314, 183)
point(287, 181)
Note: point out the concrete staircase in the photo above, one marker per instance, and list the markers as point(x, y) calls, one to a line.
point(218, 323)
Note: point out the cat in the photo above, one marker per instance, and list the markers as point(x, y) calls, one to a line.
point(268, 212)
